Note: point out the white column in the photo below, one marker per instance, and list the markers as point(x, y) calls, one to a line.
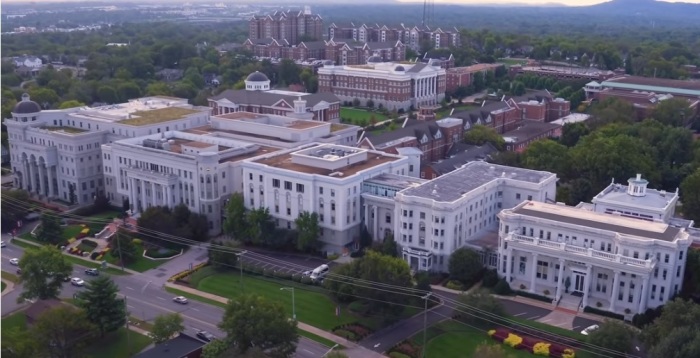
point(52, 191)
point(533, 274)
point(154, 198)
point(144, 203)
point(509, 264)
point(32, 180)
point(25, 175)
point(375, 228)
point(643, 296)
point(560, 282)
point(132, 194)
point(586, 285)
point(40, 183)
point(615, 291)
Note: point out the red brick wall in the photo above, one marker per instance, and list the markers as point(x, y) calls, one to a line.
point(535, 112)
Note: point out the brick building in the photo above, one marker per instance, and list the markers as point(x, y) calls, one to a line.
point(435, 138)
point(393, 85)
point(413, 37)
point(463, 76)
point(561, 72)
point(282, 49)
point(259, 98)
point(290, 25)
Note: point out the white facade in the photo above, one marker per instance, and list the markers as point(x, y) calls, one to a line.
point(610, 262)
point(432, 219)
point(27, 61)
point(56, 153)
point(322, 178)
point(635, 200)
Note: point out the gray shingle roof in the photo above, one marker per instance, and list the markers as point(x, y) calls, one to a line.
point(461, 154)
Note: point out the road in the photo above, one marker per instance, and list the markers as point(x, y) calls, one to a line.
point(146, 300)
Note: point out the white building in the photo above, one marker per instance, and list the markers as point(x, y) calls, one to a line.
point(393, 85)
point(27, 61)
point(585, 258)
point(56, 154)
point(432, 219)
point(322, 178)
point(635, 200)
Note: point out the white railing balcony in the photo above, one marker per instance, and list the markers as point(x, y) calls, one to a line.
point(580, 251)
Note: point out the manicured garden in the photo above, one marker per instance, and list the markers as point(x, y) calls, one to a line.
point(140, 264)
point(354, 114)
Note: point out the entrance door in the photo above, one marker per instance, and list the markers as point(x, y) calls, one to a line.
point(578, 281)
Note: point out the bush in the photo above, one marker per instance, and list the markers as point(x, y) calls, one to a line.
point(534, 296)
point(490, 279)
point(398, 355)
point(589, 309)
point(541, 349)
point(137, 241)
point(502, 287)
point(513, 340)
point(454, 285)
point(345, 334)
point(94, 255)
point(306, 280)
point(641, 320)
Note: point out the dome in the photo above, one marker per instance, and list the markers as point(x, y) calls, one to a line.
point(399, 68)
point(26, 106)
point(257, 76)
point(374, 59)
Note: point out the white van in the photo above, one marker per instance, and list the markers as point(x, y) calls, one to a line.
point(319, 273)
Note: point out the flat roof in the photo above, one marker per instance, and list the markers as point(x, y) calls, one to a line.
point(656, 82)
point(207, 129)
point(617, 193)
point(474, 68)
point(396, 181)
point(64, 129)
point(154, 116)
point(261, 150)
point(451, 186)
point(284, 161)
point(607, 222)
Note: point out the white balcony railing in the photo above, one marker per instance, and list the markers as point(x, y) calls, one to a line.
point(580, 251)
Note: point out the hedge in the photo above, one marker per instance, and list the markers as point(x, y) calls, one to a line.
point(534, 296)
point(589, 309)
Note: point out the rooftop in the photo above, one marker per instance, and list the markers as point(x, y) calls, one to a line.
point(529, 129)
point(568, 70)
point(617, 193)
point(396, 181)
point(613, 223)
point(64, 129)
point(180, 346)
point(572, 118)
point(471, 176)
point(641, 83)
point(260, 150)
point(154, 116)
point(474, 68)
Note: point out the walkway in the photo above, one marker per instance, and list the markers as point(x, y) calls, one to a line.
point(353, 349)
point(9, 286)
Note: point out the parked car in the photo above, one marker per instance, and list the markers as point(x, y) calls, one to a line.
point(19, 271)
point(2, 243)
point(92, 272)
point(205, 336)
point(590, 329)
point(319, 273)
point(181, 300)
point(77, 281)
point(14, 261)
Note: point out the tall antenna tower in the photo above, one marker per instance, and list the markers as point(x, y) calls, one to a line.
point(428, 12)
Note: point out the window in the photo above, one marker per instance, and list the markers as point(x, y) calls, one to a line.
point(542, 268)
point(664, 274)
point(300, 188)
point(287, 185)
point(387, 219)
point(250, 175)
point(517, 195)
point(523, 263)
point(320, 190)
point(289, 211)
point(680, 255)
point(529, 197)
point(275, 183)
point(666, 258)
point(678, 271)
point(332, 205)
point(332, 192)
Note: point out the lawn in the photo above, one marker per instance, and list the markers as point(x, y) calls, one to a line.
point(2, 286)
point(353, 114)
point(450, 339)
point(15, 320)
point(10, 277)
point(326, 342)
point(141, 263)
point(313, 306)
point(114, 345)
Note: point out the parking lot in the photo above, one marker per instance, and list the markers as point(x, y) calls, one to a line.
point(282, 262)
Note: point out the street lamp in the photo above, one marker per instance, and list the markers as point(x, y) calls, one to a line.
point(330, 350)
point(425, 321)
point(294, 310)
point(240, 265)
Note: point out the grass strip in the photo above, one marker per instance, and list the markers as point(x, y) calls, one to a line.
point(195, 297)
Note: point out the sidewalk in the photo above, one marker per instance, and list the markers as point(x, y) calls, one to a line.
point(10, 286)
point(353, 349)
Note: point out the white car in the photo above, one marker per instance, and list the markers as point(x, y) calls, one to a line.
point(77, 281)
point(2, 243)
point(590, 330)
point(180, 300)
point(14, 261)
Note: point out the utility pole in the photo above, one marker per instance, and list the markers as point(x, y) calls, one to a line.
point(128, 335)
point(240, 266)
point(425, 322)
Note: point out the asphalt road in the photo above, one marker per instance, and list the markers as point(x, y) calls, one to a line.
point(145, 301)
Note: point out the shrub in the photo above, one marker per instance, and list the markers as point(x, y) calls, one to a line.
point(546, 292)
point(598, 304)
point(627, 311)
point(589, 309)
point(137, 241)
point(71, 240)
point(94, 255)
point(513, 340)
point(345, 334)
point(522, 286)
point(568, 353)
point(534, 296)
point(398, 355)
point(306, 280)
point(99, 258)
point(454, 285)
point(490, 279)
point(502, 287)
point(332, 257)
point(541, 349)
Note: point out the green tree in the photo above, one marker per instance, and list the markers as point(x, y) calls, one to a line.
point(123, 248)
point(572, 132)
point(259, 226)
point(127, 91)
point(674, 112)
point(70, 104)
point(235, 223)
point(43, 271)
point(375, 267)
point(518, 88)
point(18, 343)
point(309, 231)
point(165, 327)
point(50, 230)
point(158, 89)
point(613, 335)
point(254, 321)
point(160, 220)
point(223, 258)
point(679, 343)
point(482, 300)
point(691, 275)
point(478, 81)
point(45, 97)
point(13, 207)
point(389, 246)
point(465, 266)
point(690, 192)
point(479, 135)
point(678, 314)
point(107, 94)
point(612, 110)
point(548, 155)
point(101, 305)
point(61, 332)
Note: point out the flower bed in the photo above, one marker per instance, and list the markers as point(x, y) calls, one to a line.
point(358, 331)
point(87, 245)
point(184, 274)
point(407, 348)
point(530, 344)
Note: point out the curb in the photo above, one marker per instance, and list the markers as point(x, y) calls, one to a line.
point(10, 287)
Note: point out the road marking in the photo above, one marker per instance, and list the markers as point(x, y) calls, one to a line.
point(520, 314)
point(560, 325)
point(130, 306)
point(309, 351)
point(160, 298)
point(533, 318)
point(173, 311)
point(129, 288)
point(545, 321)
point(576, 328)
point(194, 309)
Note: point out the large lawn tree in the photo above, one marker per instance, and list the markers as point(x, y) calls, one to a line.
point(235, 223)
point(481, 300)
point(613, 335)
point(259, 226)
point(690, 194)
point(61, 332)
point(676, 333)
point(309, 231)
point(101, 304)
point(254, 321)
point(43, 271)
point(465, 266)
point(122, 247)
point(50, 230)
point(166, 326)
point(14, 207)
point(480, 135)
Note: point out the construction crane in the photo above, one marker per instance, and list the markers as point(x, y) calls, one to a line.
point(428, 12)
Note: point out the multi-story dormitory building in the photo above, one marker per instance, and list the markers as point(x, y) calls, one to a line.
point(290, 26)
point(412, 37)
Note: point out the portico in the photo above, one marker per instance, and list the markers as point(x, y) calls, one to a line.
point(36, 176)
